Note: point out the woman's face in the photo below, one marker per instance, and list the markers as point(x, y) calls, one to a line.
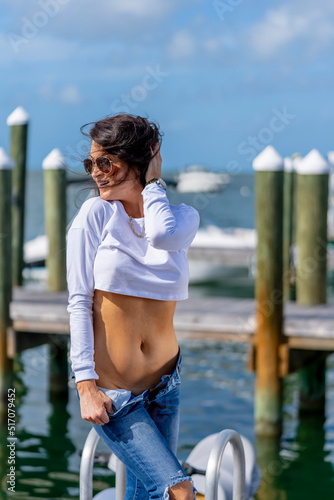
point(109, 184)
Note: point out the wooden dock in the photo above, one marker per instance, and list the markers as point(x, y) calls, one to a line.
point(44, 316)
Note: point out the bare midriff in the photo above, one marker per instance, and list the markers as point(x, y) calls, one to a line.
point(134, 341)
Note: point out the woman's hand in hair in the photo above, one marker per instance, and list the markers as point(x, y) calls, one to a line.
point(154, 167)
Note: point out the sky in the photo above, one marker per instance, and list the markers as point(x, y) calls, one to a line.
point(223, 78)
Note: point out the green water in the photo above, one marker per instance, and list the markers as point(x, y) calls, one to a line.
point(217, 393)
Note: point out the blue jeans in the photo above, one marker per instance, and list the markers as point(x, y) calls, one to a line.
point(143, 434)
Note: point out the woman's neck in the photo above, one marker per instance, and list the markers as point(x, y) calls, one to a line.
point(133, 203)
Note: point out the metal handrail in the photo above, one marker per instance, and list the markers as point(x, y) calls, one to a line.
point(86, 465)
point(86, 469)
point(213, 467)
point(120, 480)
point(211, 476)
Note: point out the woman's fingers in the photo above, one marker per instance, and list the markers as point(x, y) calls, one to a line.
point(99, 420)
point(95, 421)
point(107, 408)
point(95, 408)
point(102, 420)
point(155, 147)
point(108, 404)
point(154, 167)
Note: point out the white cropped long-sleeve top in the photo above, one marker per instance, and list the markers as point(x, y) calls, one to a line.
point(103, 253)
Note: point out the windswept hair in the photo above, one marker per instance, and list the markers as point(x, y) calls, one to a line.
point(128, 137)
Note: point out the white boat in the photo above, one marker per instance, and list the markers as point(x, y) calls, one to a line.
point(222, 254)
point(36, 250)
point(197, 179)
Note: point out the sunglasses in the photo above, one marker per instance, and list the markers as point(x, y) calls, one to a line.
point(103, 163)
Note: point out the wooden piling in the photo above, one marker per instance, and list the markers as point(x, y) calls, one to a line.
point(55, 219)
point(288, 226)
point(312, 207)
point(311, 239)
point(271, 466)
point(55, 226)
point(18, 122)
point(6, 364)
point(268, 167)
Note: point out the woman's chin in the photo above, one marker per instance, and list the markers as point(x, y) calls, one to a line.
point(105, 194)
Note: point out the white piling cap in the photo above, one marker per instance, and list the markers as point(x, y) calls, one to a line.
point(288, 164)
point(18, 117)
point(312, 163)
point(6, 163)
point(54, 161)
point(330, 156)
point(268, 160)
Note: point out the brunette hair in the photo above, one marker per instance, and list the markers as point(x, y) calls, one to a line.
point(129, 138)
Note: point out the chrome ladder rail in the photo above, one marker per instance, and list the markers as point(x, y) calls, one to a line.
point(86, 469)
point(211, 476)
point(213, 467)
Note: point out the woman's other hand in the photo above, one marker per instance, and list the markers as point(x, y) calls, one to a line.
point(94, 405)
point(154, 167)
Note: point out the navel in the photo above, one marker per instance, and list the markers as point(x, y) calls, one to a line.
point(142, 345)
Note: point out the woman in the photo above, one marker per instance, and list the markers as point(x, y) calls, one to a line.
point(126, 269)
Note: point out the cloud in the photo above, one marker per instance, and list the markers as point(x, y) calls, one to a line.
point(182, 45)
point(290, 24)
point(144, 9)
point(69, 94)
point(114, 34)
point(36, 49)
point(201, 42)
point(177, 125)
point(84, 19)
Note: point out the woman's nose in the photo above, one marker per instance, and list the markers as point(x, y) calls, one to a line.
point(95, 169)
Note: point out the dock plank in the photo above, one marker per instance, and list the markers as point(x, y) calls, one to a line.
point(211, 318)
